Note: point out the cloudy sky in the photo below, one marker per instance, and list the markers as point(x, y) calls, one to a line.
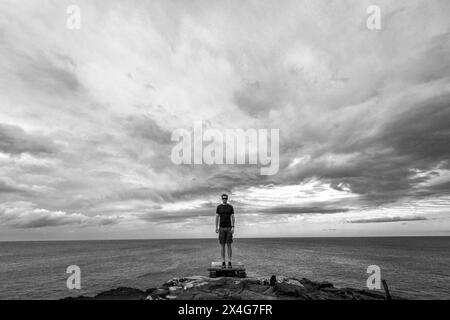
point(86, 117)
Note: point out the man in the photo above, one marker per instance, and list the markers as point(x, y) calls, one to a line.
point(225, 227)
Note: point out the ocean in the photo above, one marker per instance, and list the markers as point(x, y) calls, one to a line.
point(414, 267)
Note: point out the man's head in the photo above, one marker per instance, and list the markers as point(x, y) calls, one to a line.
point(224, 198)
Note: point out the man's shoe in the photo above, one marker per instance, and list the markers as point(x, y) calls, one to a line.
point(223, 265)
point(229, 264)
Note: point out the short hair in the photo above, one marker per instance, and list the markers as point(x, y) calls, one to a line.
point(225, 195)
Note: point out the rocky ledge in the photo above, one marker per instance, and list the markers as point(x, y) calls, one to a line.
point(204, 288)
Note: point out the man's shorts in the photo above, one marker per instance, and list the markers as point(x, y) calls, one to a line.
point(225, 235)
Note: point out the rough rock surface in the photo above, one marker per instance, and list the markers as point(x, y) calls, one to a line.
point(227, 288)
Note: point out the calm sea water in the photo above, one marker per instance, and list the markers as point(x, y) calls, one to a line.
point(414, 267)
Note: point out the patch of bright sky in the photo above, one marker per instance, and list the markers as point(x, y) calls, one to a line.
point(306, 192)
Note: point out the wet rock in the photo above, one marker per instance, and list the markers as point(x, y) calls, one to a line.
point(188, 285)
point(287, 289)
point(171, 283)
point(161, 292)
point(186, 295)
point(206, 296)
point(251, 295)
point(122, 293)
point(225, 288)
point(311, 285)
point(308, 284)
point(294, 282)
point(252, 285)
point(324, 284)
point(79, 298)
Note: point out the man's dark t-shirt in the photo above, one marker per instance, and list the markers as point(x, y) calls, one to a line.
point(225, 211)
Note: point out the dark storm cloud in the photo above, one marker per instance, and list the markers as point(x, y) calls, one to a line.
point(437, 189)
point(7, 188)
point(387, 219)
point(380, 168)
point(14, 140)
point(422, 133)
point(417, 139)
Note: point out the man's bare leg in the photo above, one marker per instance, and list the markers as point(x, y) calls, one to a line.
point(229, 251)
point(223, 252)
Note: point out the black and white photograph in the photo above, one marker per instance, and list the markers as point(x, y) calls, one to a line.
point(239, 150)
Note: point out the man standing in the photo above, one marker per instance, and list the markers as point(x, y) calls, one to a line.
point(225, 227)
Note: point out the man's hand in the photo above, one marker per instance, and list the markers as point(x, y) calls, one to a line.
point(232, 230)
point(217, 230)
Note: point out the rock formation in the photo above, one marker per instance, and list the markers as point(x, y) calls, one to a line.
point(227, 288)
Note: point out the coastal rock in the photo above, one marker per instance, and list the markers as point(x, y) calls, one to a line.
point(188, 285)
point(161, 292)
point(252, 295)
point(324, 284)
point(122, 293)
point(287, 289)
point(311, 285)
point(273, 280)
point(229, 288)
point(294, 282)
point(206, 296)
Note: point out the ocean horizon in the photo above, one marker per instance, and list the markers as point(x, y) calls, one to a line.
point(414, 267)
point(215, 238)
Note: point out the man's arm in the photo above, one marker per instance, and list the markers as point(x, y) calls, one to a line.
point(232, 223)
point(217, 223)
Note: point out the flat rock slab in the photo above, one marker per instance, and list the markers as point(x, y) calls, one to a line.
point(235, 266)
point(237, 270)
